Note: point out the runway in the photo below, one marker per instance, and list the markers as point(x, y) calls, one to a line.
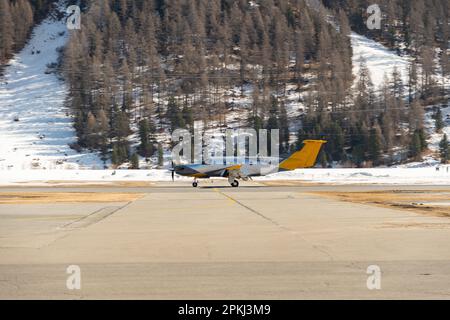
point(256, 242)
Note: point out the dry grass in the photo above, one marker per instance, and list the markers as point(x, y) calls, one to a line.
point(435, 226)
point(289, 183)
point(403, 200)
point(44, 198)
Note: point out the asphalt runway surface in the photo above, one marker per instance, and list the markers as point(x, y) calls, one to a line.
point(216, 242)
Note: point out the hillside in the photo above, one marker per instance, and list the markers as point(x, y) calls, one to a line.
point(35, 126)
point(138, 70)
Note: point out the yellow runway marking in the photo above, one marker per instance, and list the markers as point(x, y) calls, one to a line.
point(234, 201)
point(230, 199)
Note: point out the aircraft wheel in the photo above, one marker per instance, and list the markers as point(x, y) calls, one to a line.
point(195, 184)
point(235, 184)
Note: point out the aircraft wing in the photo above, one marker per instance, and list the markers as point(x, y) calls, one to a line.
point(234, 170)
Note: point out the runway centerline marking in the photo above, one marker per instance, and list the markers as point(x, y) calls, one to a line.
point(319, 248)
point(230, 198)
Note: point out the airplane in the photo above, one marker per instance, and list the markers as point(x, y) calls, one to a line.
point(302, 159)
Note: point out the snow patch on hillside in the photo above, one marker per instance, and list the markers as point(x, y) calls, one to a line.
point(380, 60)
point(35, 127)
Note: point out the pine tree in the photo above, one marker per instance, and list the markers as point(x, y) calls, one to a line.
point(359, 143)
point(439, 122)
point(445, 66)
point(388, 131)
point(174, 115)
point(188, 117)
point(428, 65)
point(135, 161)
point(336, 141)
point(323, 159)
point(299, 56)
point(284, 128)
point(21, 11)
point(418, 144)
point(146, 148)
point(416, 116)
point(91, 131)
point(272, 122)
point(254, 119)
point(160, 155)
point(375, 145)
point(397, 85)
point(115, 156)
point(444, 149)
point(423, 139)
point(358, 155)
point(6, 30)
point(365, 90)
point(413, 82)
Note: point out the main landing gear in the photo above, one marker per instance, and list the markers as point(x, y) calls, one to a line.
point(195, 184)
point(233, 181)
point(235, 184)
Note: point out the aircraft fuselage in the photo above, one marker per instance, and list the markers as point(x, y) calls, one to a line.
point(223, 171)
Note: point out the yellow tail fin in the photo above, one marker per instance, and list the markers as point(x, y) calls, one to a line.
point(305, 158)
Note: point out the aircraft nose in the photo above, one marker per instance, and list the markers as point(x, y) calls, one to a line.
point(179, 169)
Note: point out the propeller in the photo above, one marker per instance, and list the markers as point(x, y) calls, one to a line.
point(173, 172)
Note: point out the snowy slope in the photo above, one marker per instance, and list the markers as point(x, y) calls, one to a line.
point(380, 60)
point(41, 136)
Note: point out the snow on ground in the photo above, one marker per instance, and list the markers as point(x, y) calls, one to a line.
point(427, 161)
point(26, 177)
point(35, 128)
point(380, 60)
point(388, 176)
